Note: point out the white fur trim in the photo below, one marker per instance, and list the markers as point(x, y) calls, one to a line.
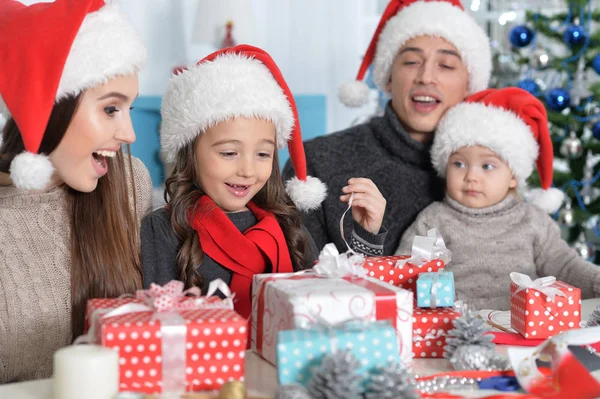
point(307, 195)
point(436, 19)
point(107, 45)
point(549, 200)
point(31, 171)
point(354, 94)
point(233, 85)
point(502, 131)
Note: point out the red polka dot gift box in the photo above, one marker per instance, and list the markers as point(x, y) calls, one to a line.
point(198, 344)
point(397, 271)
point(430, 328)
point(543, 307)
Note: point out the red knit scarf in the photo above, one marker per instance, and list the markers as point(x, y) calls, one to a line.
point(245, 254)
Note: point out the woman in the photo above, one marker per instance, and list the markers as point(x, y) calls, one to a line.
point(69, 208)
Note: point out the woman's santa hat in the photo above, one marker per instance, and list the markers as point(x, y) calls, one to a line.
point(51, 51)
point(404, 20)
point(512, 123)
point(241, 81)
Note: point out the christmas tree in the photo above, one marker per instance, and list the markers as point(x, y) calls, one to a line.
point(563, 80)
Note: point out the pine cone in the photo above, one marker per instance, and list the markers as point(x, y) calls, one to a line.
point(336, 377)
point(594, 318)
point(469, 329)
point(475, 357)
point(292, 391)
point(393, 382)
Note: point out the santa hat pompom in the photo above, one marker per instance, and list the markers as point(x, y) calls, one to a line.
point(31, 171)
point(354, 94)
point(306, 194)
point(549, 200)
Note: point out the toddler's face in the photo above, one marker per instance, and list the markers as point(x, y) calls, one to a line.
point(476, 177)
point(234, 160)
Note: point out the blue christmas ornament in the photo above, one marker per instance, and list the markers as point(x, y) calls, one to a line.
point(596, 63)
point(574, 35)
point(521, 36)
point(529, 85)
point(558, 99)
point(596, 130)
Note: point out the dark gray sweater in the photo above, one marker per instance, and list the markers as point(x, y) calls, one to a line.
point(160, 247)
point(382, 151)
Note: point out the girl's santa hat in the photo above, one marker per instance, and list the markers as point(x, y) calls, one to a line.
point(51, 51)
point(404, 20)
point(512, 123)
point(241, 81)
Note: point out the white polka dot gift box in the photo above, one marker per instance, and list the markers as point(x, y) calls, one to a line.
point(435, 289)
point(177, 343)
point(430, 327)
point(300, 351)
point(543, 307)
point(287, 301)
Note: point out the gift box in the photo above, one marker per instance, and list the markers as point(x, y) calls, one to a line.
point(435, 290)
point(290, 301)
point(300, 350)
point(397, 270)
point(430, 327)
point(543, 308)
point(199, 343)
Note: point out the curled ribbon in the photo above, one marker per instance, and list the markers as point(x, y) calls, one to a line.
point(542, 284)
point(332, 264)
point(426, 249)
point(430, 334)
point(165, 302)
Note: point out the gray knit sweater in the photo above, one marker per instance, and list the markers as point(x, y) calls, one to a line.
point(382, 151)
point(487, 244)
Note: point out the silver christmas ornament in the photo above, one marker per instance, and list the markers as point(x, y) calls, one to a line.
point(571, 147)
point(477, 357)
point(566, 216)
point(584, 249)
point(540, 58)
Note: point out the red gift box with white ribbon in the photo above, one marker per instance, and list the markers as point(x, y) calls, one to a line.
point(430, 328)
point(169, 341)
point(543, 307)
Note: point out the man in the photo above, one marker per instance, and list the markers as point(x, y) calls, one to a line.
point(429, 55)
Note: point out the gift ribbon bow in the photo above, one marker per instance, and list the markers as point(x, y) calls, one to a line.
point(426, 249)
point(332, 264)
point(542, 284)
point(172, 297)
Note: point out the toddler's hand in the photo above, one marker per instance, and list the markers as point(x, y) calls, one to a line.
point(368, 205)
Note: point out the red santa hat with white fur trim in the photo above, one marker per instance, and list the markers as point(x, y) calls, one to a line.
point(404, 20)
point(241, 81)
point(68, 46)
point(512, 123)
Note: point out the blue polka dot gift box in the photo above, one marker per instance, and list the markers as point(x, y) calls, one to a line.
point(299, 351)
point(435, 290)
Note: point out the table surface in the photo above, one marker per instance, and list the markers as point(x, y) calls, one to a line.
point(261, 377)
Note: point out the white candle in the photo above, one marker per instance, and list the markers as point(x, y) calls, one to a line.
point(86, 371)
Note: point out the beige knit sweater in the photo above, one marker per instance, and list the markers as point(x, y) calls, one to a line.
point(35, 300)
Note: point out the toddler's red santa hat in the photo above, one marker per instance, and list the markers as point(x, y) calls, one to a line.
point(404, 20)
point(512, 123)
point(51, 51)
point(241, 81)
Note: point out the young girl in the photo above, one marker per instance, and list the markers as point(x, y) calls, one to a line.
point(486, 149)
point(228, 214)
point(69, 208)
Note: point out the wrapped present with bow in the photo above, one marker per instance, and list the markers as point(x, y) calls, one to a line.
point(428, 254)
point(299, 351)
point(430, 328)
point(170, 340)
point(543, 307)
point(435, 289)
point(335, 290)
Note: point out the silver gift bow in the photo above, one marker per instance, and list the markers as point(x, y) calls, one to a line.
point(426, 249)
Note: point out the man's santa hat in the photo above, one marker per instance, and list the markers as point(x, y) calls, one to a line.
point(51, 51)
point(512, 123)
point(404, 20)
point(241, 81)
